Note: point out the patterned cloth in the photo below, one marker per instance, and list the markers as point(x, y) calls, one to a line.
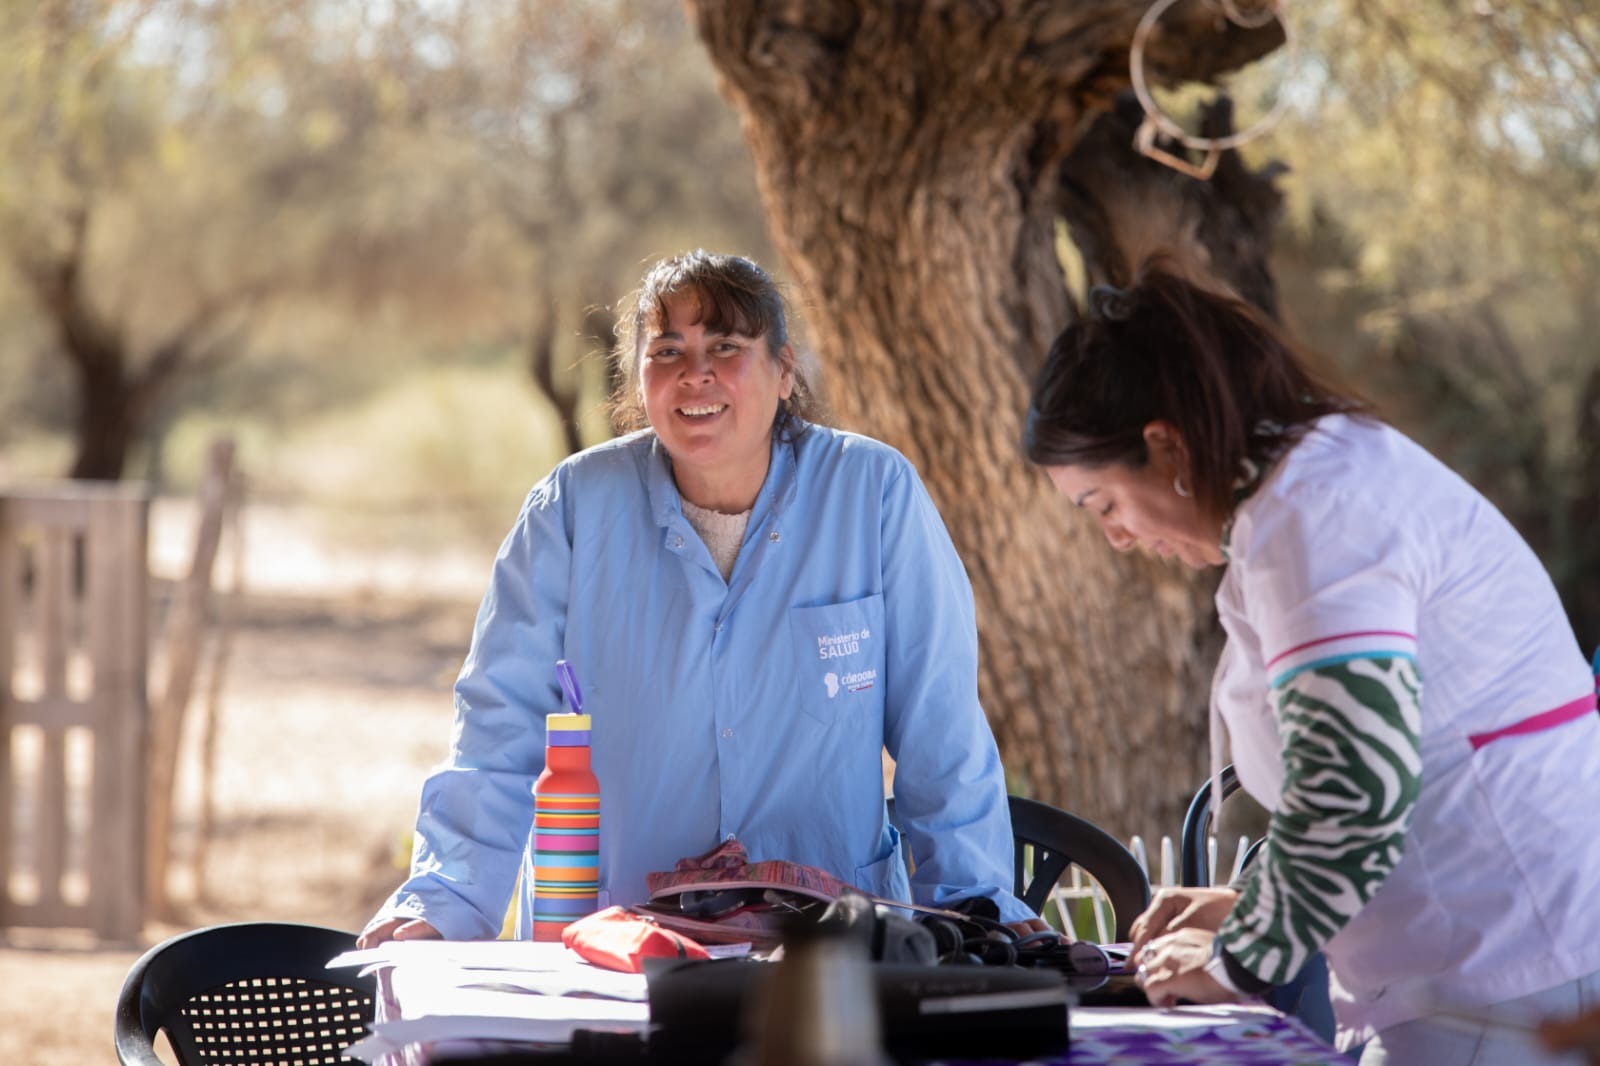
point(1261, 1038)
point(1352, 769)
point(729, 866)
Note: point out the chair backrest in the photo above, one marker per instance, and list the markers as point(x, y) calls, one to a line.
point(1194, 863)
point(1048, 840)
point(252, 992)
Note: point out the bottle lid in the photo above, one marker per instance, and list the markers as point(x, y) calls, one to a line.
point(566, 721)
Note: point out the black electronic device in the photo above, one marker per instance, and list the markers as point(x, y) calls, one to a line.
point(698, 1009)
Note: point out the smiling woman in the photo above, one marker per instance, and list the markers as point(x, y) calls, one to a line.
point(759, 606)
point(712, 390)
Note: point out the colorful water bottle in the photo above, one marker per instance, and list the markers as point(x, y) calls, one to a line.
point(566, 823)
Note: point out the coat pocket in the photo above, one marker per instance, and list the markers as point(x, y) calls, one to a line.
point(838, 653)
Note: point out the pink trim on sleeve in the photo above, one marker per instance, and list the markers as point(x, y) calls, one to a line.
point(1567, 712)
point(1340, 636)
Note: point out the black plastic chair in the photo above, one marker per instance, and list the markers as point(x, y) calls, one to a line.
point(1049, 840)
point(244, 994)
point(1194, 861)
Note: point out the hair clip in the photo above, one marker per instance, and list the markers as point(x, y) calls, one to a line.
point(1111, 303)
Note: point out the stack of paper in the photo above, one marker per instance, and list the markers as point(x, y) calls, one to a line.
point(499, 990)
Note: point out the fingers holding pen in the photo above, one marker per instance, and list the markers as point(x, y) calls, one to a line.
point(1172, 968)
point(1173, 909)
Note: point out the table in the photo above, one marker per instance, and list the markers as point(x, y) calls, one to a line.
point(1239, 1035)
point(1260, 1037)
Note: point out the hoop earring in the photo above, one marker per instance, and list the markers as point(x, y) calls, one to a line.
point(1180, 488)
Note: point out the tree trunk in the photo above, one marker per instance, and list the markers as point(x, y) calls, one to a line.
point(563, 396)
point(1584, 518)
point(112, 405)
point(908, 156)
point(107, 422)
point(1121, 207)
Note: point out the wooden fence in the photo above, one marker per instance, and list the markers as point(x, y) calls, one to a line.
point(73, 712)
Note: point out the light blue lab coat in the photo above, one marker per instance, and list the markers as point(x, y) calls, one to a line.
point(756, 707)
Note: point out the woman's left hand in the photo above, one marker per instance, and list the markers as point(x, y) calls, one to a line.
point(1173, 967)
point(1032, 925)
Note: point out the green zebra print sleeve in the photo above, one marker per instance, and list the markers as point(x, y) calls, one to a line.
point(1351, 773)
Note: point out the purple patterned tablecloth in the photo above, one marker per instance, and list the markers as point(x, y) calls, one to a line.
point(1237, 1036)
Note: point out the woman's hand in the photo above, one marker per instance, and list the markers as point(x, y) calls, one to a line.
point(396, 929)
point(1173, 967)
point(1033, 925)
point(1181, 908)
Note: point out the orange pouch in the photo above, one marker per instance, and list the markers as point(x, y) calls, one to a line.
point(618, 939)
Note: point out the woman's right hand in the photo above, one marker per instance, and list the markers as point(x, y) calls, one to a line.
point(396, 929)
point(1181, 908)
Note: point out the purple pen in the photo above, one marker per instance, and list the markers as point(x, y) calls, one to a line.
point(569, 683)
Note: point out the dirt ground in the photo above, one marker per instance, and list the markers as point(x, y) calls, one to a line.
point(332, 710)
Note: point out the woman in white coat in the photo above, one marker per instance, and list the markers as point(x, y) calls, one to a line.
point(1400, 685)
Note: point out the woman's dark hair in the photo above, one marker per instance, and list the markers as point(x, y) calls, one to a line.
point(1167, 349)
point(736, 296)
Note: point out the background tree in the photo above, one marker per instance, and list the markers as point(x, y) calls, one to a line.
point(1444, 243)
point(154, 202)
point(190, 184)
point(1440, 247)
point(591, 179)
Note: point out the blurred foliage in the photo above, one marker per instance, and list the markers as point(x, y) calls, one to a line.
point(1445, 228)
point(1442, 242)
point(309, 199)
point(362, 224)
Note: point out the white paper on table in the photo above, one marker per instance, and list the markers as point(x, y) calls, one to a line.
point(1169, 1019)
point(520, 965)
point(587, 981)
point(527, 955)
point(436, 1009)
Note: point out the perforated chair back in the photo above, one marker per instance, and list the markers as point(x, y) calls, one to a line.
point(1048, 840)
point(242, 995)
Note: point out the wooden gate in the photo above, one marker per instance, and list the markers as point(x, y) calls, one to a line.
point(73, 712)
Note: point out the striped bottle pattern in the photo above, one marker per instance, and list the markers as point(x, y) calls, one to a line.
point(566, 829)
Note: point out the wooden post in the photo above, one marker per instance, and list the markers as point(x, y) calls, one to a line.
point(119, 576)
point(10, 595)
point(186, 634)
point(222, 648)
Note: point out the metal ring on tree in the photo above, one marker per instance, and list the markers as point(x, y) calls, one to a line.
point(1155, 121)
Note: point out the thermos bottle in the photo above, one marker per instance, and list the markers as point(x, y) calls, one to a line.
point(566, 827)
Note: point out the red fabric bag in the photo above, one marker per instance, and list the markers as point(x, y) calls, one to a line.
point(617, 939)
